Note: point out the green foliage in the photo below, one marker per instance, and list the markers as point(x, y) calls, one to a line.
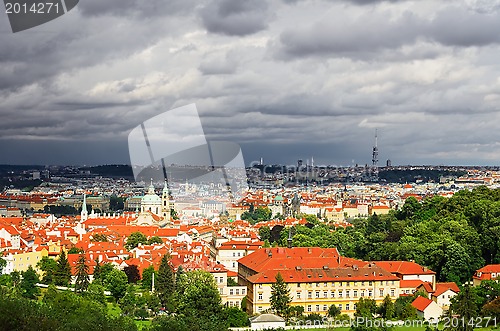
point(333, 311)
point(280, 296)
point(155, 240)
point(3, 264)
point(386, 308)
point(147, 277)
point(235, 317)
point(255, 215)
point(199, 303)
point(82, 274)
point(265, 233)
point(116, 282)
point(62, 274)
point(366, 308)
point(75, 250)
point(464, 305)
point(28, 286)
point(48, 266)
point(135, 239)
point(95, 292)
point(231, 282)
point(165, 283)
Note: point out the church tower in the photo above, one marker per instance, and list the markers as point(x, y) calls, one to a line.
point(84, 215)
point(165, 204)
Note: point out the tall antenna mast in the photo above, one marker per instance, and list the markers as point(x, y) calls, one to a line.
point(375, 157)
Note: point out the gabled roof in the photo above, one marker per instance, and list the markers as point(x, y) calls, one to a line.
point(443, 287)
point(421, 303)
point(404, 268)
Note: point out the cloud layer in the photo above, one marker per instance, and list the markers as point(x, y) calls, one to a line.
point(286, 79)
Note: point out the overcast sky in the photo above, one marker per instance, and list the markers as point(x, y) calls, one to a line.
point(286, 79)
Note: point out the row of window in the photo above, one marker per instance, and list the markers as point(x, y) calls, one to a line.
point(324, 308)
point(340, 294)
point(350, 283)
point(236, 291)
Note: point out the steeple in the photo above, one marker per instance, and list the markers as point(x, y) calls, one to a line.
point(84, 215)
point(165, 203)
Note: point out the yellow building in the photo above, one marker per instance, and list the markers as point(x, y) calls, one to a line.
point(20, 261)
point(317, 278)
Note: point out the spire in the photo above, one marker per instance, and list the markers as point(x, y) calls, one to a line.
point(84, 214)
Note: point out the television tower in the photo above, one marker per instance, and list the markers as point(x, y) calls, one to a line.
point(375, 157)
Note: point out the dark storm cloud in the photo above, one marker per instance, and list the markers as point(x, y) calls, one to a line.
point(235, 17)
point(453, 26)
point(135, 8)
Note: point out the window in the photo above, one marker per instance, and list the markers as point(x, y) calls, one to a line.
point(317, 294)
point(260, 285)
point(325, 307)
point(362, 293)
point(392, 293)
point(242, 291)
point(340, 306)
point(234, 264)
point(347, 294)
point(317, 307)
point(237, 291)
point(298, 295)
point(220, 290)
point(259, 308)
point(231, 292)
point(362, 283)
point(347, 306)
point(260, 296)
point(340, 294)
point(381, 292)
point(298, 284)
point(309, 294)
point(348, 284)
point(333, 294)
point(309, 308)
point(317, 284)
point(325, 294)
point(392, 283)
point(325, 284)
point(370, 293)
point(221, 280)
point(355, 294)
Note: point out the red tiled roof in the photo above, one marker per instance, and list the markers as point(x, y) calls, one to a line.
point(420, 303)
point(404, 267)
point(443, 287)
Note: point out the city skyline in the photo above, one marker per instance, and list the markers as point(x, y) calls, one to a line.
point(286, 80)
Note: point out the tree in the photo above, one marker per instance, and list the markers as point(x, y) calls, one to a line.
point(200, 302)
point(82, 274)
point(280, 296)
point(147, 277)
point(62, 275)
point(135, 239)
point(132, 273)
point(28, 284)
point(165, 283)
point(333, 311)
point(155, 240)
point(48, 266)
point(75, 250)
point(236, 317)
point(95, 292)
point(3, 264)
point(265, 233)
point(386, 308)
point(365, 308)
point(97, 270)
point(116, 283)
point(464, 305)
